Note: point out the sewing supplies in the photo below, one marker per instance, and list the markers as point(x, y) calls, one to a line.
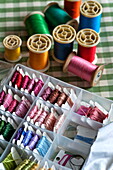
point(14, 161)
point(72, 7)
point(2, 94)
point(55, 15)
point(69, 160)
point(46, 93)
point(12, 103)
point(87, 40)
point(83, 69)
point(85, 135)
point(35, 24)
point(64, 36)
point(94, 112)
point(27, 136)
point(43, 145)
point(39, 45)
point(12, 45)
point(23, 81)
point(90, 15)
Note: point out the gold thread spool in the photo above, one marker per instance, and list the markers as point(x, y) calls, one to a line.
point(39, 45)
point(63, 34)
point(12, 45)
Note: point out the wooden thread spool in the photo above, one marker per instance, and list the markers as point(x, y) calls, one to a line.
point(90, 15)
point(87, 40)
point(12, 45)
point(64, 36)
point(55, 16)
point(39, 45)
point(83, 69)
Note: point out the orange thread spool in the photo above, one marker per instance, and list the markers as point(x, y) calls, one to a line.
point(72, 7)
point(39, 45)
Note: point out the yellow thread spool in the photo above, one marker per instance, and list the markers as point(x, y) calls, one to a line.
point(39, 45)
point(12, 45)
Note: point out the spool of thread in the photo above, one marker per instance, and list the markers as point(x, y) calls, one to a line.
point(72, 7)
point(90, 15)
point(36, 24)
point(55, 16)
point(12, 45)
point(83, 69)
point(64, 36)
point(87, 41)
point(39, 45)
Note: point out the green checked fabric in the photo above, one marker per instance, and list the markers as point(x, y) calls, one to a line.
point(12, 13)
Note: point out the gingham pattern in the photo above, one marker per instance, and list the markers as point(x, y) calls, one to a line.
point(12, 14)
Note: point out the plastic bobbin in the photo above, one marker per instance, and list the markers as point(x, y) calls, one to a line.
point(63, 34)
point(40, 13)
point(39, 45)
point(87, 40)
point(70, 20)
point(95, 77)
point(12, 45)
point(91, 9)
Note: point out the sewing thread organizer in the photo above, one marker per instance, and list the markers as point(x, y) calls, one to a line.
point(58, 140)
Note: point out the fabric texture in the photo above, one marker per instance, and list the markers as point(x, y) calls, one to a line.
point(12, 13)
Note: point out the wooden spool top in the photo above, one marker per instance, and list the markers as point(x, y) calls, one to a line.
point(87, 37)
point(39, 43)
point(12, 42)
point(64, 34)
point(91, 9)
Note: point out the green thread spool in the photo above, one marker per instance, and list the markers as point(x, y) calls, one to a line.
point(9, 163)
point(2, 125)
point(35, 24)
point(22, 164)
point(55, 16)
point(28, 166)
point(8, 131)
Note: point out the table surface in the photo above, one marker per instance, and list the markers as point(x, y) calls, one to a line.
point(12, 13)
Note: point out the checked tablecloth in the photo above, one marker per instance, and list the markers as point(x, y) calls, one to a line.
point(12, 13)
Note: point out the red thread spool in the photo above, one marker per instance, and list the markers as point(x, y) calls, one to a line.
point(72, 7)
point(87, 40)
point(83, 69)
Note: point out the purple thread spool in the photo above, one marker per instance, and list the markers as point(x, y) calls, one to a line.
point(33, 142)
point(18, 134)
point(22, 108)
point(30, 86)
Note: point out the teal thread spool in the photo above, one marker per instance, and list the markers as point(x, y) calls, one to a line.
point(35, 24)
point(54, 15)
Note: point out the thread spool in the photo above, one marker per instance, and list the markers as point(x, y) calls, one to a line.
point(83, 69)
point(87, 41)
point(39, 45)
point(90, 15)
point(12, 45)
point(72, 7)
point(64, 36)
point(55, 16)
point(36, 24)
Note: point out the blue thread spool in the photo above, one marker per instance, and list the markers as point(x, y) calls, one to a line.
point(90, 15)
point(64, 36)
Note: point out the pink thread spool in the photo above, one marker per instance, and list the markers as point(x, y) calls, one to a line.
point(83, 69)
point(87, 41)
